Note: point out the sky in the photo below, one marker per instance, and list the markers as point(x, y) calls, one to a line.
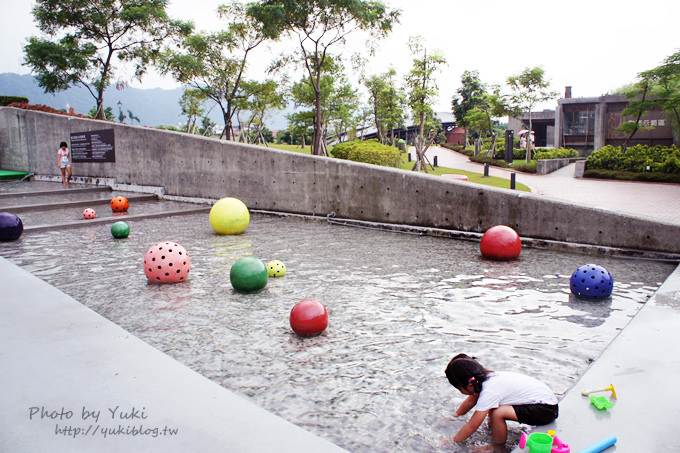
point(594, 46)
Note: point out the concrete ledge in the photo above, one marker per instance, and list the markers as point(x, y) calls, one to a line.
point(545, 166)
point(62, 365)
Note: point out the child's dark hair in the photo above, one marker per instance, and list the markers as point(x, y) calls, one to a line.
point(62, 144)
point(463, 370)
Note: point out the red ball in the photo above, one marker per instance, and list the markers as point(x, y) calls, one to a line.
point(308, 317)
point(89, 213)
point(500, 242)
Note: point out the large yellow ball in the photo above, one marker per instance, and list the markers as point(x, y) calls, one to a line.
point(229, 216)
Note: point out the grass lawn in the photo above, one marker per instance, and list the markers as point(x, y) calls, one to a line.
point(478, 178)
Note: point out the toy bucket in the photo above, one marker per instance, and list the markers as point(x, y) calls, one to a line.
point(537, 442)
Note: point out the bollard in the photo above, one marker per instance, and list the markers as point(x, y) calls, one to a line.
point(486, 169)
point(409, 157)
point(512, 180)
point(435, 161)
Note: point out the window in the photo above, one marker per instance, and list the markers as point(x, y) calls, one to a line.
point(580, 122)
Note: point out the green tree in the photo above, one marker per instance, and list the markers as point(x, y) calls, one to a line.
point(191, 103)
point(467, 97)
point(529, 88)
point(215, 63)
point(478, 120)
point(90, 34)
point(658, 87)
point(422, 90)
point(133, 118)
point(336, 98)
point(386, 104)
point(318, 25)
point(108, 113)
point(263, 97)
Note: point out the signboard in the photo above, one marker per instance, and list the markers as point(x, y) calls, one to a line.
point(93, 146)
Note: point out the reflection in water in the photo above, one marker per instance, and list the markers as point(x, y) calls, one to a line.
point(400, 306)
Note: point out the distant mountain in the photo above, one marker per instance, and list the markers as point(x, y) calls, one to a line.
point(153, 107)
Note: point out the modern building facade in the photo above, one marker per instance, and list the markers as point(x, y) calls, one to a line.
point(588, 124)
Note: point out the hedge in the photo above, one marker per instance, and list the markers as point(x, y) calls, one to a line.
point(558, 153)
point(368, 151)
point(7, 100)
point(638, 159)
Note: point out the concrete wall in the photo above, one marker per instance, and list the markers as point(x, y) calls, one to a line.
point(545, 166)
point(290, 182)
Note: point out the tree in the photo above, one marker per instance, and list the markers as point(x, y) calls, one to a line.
point(469, 96)
point(336, 98)
point(318, 25)
point(108, 113)
point(658, 87)
point(133, 118)
point(262, 98)
point(422, 90)
point(191, 103)
point(85, 36)
point(478, 120)
point(528, 89)
point(386, 103)
point(215, 63)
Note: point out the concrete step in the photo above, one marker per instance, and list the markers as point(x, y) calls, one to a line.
point(71, 204)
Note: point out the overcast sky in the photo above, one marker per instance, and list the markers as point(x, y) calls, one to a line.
point(594, 46)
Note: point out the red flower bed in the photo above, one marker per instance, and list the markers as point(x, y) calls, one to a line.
point(43, 108)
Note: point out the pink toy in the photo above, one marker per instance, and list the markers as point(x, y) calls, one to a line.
point(167, 262)
point(559, 447)
point(89, 213)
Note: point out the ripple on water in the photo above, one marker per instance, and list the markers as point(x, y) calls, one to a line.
point(400, 306)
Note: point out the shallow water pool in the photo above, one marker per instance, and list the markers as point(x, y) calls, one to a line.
point(400, 306)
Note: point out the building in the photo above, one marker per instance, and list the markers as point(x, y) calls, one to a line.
point(588, 124)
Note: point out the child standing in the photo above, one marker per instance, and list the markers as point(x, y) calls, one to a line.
point(64, 162)
point(501, 395)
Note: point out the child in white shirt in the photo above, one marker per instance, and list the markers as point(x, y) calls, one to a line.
point(500, 395)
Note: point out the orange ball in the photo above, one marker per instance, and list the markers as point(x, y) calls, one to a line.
point(500, 242)
point(120, 204)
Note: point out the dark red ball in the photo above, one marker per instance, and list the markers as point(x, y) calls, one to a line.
point(500, 242)
point(308, 317)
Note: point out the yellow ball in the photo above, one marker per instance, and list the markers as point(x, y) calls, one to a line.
point(276, 268)
point(229, 216)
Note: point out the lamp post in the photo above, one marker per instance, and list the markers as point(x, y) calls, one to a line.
point(121, 117)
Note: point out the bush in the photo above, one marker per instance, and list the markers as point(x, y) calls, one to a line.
point(559, 153)
point(453, 146)
point(659, 159)
point(647, 176)
point(526, 167)
point(368, 151)
point(489, 160)
point(7, 100)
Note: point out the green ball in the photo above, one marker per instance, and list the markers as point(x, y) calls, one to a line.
point(248, 274)
point(120, 230)
point(276, 268)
